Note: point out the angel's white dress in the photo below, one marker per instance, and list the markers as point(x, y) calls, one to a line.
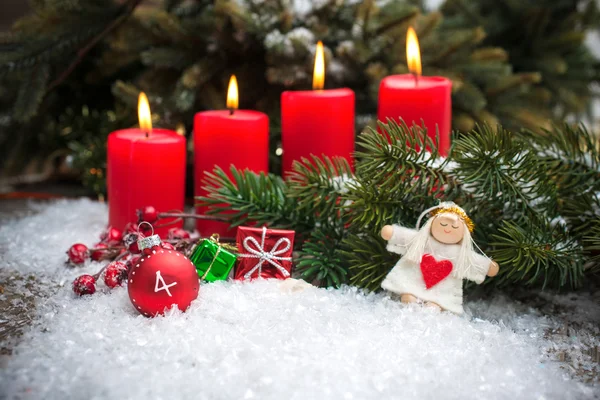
point(406, 277)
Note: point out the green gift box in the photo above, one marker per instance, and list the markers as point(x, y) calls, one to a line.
point(213, 260)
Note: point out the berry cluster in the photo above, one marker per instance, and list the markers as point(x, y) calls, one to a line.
point(120, 248)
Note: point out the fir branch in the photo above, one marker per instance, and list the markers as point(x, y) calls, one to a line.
point(248, 197)
point(396, 168)
point(537, 255)
point(571, 155)
point(30, 96)
point(166, 57)
point(127, 10)
point(320, 260)
point(591, 246)
point(495, 166)
point(571, 158)
point(317, 185)
point(368, 259)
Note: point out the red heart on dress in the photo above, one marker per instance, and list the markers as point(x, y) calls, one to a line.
point(434, 271)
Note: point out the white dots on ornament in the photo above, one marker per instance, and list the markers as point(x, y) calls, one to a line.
point(162, 251)
point(177, 254)
point(131, 281)
point(139, 308)
point(170, 251)
point(133, 273)
point(153, 252)
point(138, 265)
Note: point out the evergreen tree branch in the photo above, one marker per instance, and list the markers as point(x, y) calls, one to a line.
point(396, 168)
point(317, 185)
point(127, 10)
point(535, 255)
point(321, 261)
point(247, 197)
point(368, 260)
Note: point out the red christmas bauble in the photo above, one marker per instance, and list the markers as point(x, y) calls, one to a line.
point(167, 246)
point(135, 259)
point(162, 279)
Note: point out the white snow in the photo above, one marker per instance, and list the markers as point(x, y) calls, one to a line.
point(287, 43)
point(255, 341)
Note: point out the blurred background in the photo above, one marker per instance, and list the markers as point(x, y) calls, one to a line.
point(71, 70)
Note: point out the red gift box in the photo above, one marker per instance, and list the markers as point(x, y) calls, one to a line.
point(264, 253)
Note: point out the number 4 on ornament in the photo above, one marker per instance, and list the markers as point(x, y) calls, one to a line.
point(164, 285)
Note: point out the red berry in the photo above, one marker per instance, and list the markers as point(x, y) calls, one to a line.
point(98, 251)
point(134, 249)
point(147, 214)
point(115, 274)
point(78, 253)
point(178, 234)
point(167, 246)
point(84, 284)
point(130, 241)
point(130, 228)
point(112, 235)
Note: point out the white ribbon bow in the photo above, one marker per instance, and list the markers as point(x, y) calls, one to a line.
point(262, 255)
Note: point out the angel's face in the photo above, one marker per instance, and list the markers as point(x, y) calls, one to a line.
point(447, 228)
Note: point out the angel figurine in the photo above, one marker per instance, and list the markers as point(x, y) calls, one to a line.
point(436, 259)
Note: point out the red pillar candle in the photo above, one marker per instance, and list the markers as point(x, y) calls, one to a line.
point(145, 167)
point(228, 137)
point(416, 98)
point(319, 122)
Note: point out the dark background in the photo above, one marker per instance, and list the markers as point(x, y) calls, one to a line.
point(10, 10)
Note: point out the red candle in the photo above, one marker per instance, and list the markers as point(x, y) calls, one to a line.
point(319, 122)
point(413, 97)
point(145, 167)
point(228, 137)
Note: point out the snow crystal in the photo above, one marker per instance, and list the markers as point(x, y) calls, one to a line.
point(255, 340)
point(343, 183)
point(336, 69)
point(286, 44)
point(558, 221)
point(346, 47)
point(302, 8)
point(273, 39)
point(302, 34)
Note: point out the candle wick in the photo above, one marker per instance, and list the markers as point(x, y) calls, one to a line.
point(231, 110)
point(147, 134)
point(416, 76)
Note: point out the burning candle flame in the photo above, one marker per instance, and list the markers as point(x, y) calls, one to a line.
point(144, 115)
point(413, 53)
point(232, 94)
point(319, 72)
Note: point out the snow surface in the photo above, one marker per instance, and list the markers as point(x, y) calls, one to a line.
point(255, 340)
